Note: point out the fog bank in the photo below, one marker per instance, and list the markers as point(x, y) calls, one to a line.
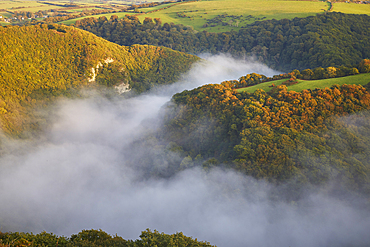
point(76, 177)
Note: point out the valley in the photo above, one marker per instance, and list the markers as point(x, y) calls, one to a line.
point(196, 123)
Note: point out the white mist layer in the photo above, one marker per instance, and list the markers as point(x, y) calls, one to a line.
point(215, 69)
point(76, 178)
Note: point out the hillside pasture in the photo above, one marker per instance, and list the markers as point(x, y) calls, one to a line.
point(26, 6)
point(360, 79)
point(156, 7)
point(5, 14)
point(78, 10)
point(352, 8)
point(119, 14)
point(3, 23)
point(19, 4)
point(35, 6)
point(226, 15)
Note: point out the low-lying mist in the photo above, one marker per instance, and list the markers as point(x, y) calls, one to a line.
point(76, 176)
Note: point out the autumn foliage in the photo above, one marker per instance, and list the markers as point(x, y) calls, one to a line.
point(277, 135)
point(42, 62)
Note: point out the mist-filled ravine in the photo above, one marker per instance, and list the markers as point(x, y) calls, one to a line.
point(79, 175)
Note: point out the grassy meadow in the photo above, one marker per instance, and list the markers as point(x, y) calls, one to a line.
point(19, 4)
point(9, 6)
point(234, 13)
point(120, 15)
point(360, 79)
point(156, 7)
point(227, 15)
point(352, 8)
point(27, 6)
point(208, 15)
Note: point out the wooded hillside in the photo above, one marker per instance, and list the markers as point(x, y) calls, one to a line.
point(95, 238)
point(39, 63)
point(277, 136)
point(324, 40)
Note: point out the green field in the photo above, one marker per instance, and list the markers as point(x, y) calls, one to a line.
point(233, 13)
point(78, 10)
point(35, 6)
point(360, 79)
point(352, 8)
point(156, 7)
point(120, 15)
point(27, 6)
point(5, 14)
point(237, 13)
point(208, 15)
point(16, 4)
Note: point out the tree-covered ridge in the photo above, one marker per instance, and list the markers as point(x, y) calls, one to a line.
point(44, 61)
point(94, 238)
point(330, 39)
point(306, 74)
point(276, 136)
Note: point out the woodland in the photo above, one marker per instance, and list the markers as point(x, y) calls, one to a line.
point(283, 125)
point(293, 139)
point(276, 135)
point(42, 62)
point(330, 39)
point(94, 238)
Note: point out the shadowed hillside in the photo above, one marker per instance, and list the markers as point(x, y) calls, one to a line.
point(331, 39)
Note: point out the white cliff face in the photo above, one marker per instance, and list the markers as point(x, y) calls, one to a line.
point(122, 88)
point(94, 71)
point(93, 77)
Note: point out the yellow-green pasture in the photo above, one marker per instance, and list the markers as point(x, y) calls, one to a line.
point(197, 13)
point(360, 79)
point(35, 6)
point(78, 10)
point(2, 23)
point(119, 14)
point(352, 8)
point(230, 14)
point(156, 7)
point(19, 4)
point(5, 14)
point(234, 13)
point(26, 6)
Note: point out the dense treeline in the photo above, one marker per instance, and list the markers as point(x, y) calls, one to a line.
point(93, 238)
point(277, 136)
point(42, 62)
point(324, 40)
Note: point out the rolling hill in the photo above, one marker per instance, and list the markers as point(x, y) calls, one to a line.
point(330, 39)
point(298, 134)
point(226, 15)
point(360, 79)
point(308, 138)
point(41, 62)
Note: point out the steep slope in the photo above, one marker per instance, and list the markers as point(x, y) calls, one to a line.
point(41, 62)
point(314, 136)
